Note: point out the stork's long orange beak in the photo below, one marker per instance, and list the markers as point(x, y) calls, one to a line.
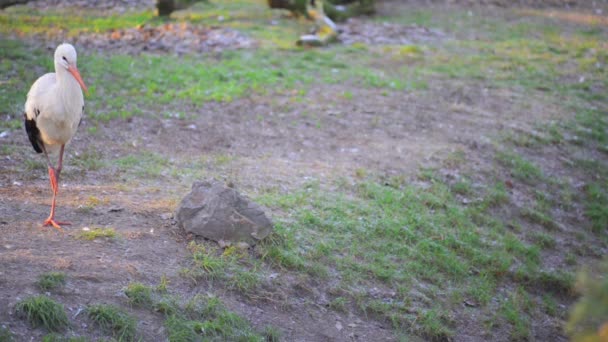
point(74, 71)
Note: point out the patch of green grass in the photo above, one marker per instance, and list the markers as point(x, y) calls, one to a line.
point(163, 285)
point(35, 164)
point(166, 306)
point(482, 289)
point(209, 264)
point(142, 164)
point(338, 304)
point(550, 305)
point(89, 160)
point(92, 129)
point(596, 206)
point(382, 234)
point(495, 196)
point(91, 203)
point(50, 280)
point(539, 217)
point(114, 321)
point(139, 294)
point(280, 249)
point(434, 324)
point(244, 281)
point(520, 168)
point(374, 307)
point(18, 78)
point(455, 158)
point(208, 319)
point(222, 159)
point(592, 167)
point(527, 139)
point(13, 124)
point(570, 259)
point(43, 311)
point(8, 149)
point(543, 240)
point(271, 334)
point(149, 85)
point(421, 17)
point(235, 75)
point(58, 338)
point(96, 233)
point(462, 187)
point(6, 335)
point(514, 309)
point(592, 124)
point(529, 254)
point(73, 22)
point(560, 282)
point(529, 55)
point(180, 329)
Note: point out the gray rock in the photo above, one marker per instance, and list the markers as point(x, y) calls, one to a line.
point(220, 213)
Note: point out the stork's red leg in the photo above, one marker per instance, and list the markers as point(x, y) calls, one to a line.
point(54, 179)
point(60, 162)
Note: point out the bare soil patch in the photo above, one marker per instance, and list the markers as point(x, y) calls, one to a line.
point(176, 38)
point(357, 30)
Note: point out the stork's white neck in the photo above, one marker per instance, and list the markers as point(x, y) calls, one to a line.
point(68, 90)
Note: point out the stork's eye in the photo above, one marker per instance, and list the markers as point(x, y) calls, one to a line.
point(65, 59)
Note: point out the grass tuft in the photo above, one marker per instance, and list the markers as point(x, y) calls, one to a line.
point(560, 282)
point(43, 311)
point(180, 329)
point(96, 233)
point(163, 285)
point(596, 207)
point(521, 168)
point(50, 280)
point(544, 240)
point(208, 319)
point(513, 310)
point(271, 334)
point(58, 338)
point(209, 264)
point(139, 294)
point(539, 217)
point(113, 320)
point(166, 306)
point(434, 324)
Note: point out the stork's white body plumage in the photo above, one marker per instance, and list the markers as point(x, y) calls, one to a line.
point(53, 111)
point(56, 105)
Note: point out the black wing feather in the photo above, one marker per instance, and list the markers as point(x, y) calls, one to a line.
point(33, 133)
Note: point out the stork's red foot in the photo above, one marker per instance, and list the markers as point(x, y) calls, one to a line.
point(56, 224)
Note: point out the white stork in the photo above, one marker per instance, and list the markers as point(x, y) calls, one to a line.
point(53, 111)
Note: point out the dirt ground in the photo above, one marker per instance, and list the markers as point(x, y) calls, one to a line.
point(394, 134)
point(422, 133)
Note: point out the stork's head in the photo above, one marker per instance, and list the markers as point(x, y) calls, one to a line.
point(65, 58)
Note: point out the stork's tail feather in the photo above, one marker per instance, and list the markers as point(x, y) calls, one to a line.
point(33, 133)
